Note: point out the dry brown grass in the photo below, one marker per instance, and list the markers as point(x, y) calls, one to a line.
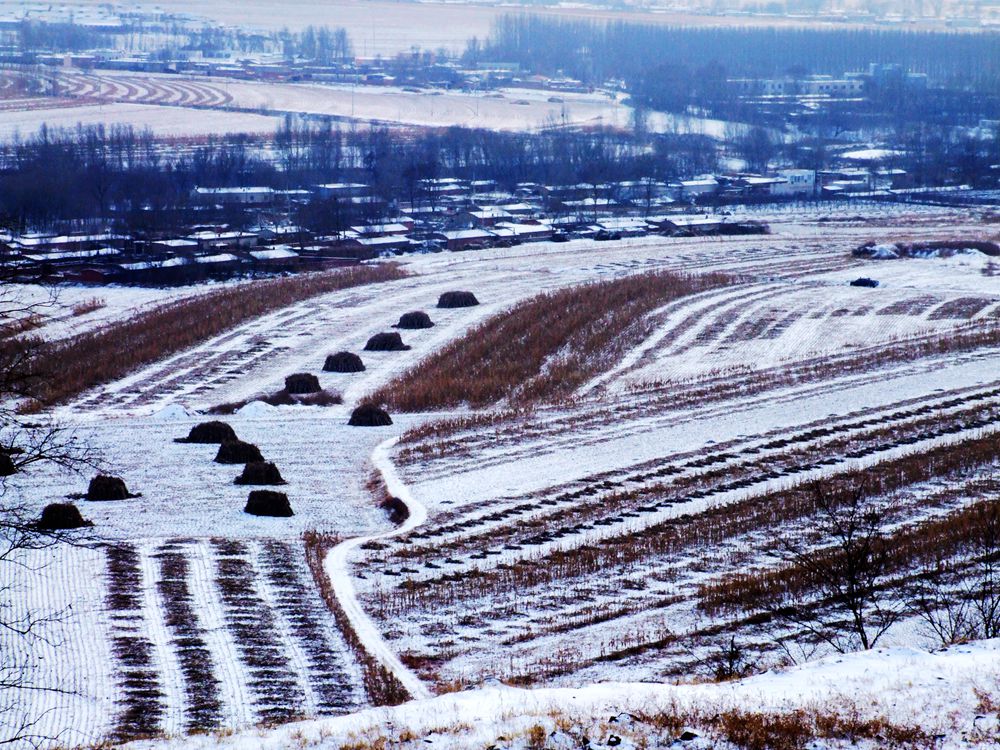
point(21, 325)
point(797, 729)
point(542, 349)
point(88, 306)
point(930, 542)
point(67, 368)
point(381, 686)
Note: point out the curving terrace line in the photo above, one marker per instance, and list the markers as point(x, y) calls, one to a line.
point(337, 570)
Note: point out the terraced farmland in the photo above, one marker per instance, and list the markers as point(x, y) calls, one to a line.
point(631, 527)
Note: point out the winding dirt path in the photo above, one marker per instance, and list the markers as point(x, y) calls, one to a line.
point(337, 568)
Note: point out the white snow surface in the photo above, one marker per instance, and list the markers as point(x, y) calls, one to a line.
point(934, 690)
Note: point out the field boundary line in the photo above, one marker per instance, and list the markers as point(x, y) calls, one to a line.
point(337, 569)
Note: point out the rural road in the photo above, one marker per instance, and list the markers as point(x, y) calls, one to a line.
point(337, 569)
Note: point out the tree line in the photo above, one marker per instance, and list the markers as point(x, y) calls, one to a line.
point(101, 175)
point(677, 68)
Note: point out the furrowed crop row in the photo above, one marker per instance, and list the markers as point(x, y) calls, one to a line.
point(283, 566)
point(141, 708)
point(591, 502)
point(618, 527)
point(201, 686)
point(278, 697)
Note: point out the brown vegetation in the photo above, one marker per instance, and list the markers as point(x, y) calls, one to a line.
point(88, 306)
point(302, 382)
point(60, 517)
point(260, 472)
point(369, 415)
point(113, 351)
point(238, 452)
point(343, 362)
point(381, 686)
point(542, 349)
point(103, 487)
point(208, 433)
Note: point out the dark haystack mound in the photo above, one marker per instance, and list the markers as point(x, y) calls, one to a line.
point(7, 466)
point(58, 516)
point(369, 415)
point(414, 320)
point(103, 487)
point(238, 452)
point(302, 382)
point(260, 472)
point(268, 503)
point(210, 432)
point(386, 342)
point(343, 362)
point(396, 508)
point(457, 299)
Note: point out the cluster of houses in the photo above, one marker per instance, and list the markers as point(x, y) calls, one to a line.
point(443, 214)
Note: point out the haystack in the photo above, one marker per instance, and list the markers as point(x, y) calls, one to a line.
point(210, 432)
point(260, 472)
point(268, 503)
point(302, 382)
point(386, 342)
point(237, 452)
point(103, 487)
point(343, 362)
point(457, 299)
point(396, 508)
point(59, 516)
point(369, 415)
point(415, 320)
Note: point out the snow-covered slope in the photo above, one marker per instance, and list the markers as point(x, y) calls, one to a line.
point(936, 692)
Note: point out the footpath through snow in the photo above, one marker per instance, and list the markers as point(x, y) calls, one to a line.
point(937, 691)
point(337, 569)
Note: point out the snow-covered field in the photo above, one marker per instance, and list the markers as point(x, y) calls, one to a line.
point(937, 691)
point(430, 600)
point(162, 121)
point(171, 105)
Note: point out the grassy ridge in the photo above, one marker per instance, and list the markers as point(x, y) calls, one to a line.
point(542, 349)
point(64, 369)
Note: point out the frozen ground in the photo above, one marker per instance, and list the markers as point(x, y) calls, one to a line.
point(937, 691)
point(162, 121)
point(188, 530)
point(180, 106)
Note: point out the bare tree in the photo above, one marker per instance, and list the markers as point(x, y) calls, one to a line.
point(25, 442)
point(958, 600)
point(845, 559)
